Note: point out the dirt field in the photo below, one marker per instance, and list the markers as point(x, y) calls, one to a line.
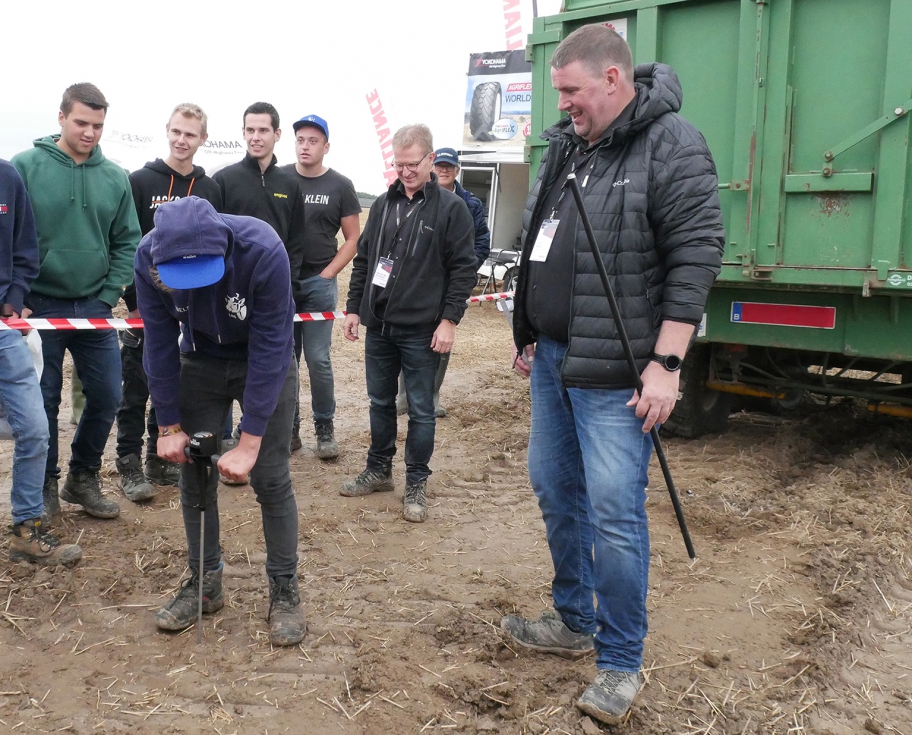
point(796, 617)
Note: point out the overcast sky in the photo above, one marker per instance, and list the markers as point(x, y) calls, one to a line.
point(304, 57)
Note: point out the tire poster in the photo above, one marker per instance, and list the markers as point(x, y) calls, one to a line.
point(498, 100)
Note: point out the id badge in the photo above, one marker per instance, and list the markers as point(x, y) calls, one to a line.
point(543, 242)
point(382, 274)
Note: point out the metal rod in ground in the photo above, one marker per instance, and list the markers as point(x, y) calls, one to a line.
point(631, 360)
point(202, 479)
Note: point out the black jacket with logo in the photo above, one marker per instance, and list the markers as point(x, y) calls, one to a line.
point(653, 201)
point(272, 196)
point(437, 274)
point(157, 183)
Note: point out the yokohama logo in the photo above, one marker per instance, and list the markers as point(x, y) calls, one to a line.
point(519, 87)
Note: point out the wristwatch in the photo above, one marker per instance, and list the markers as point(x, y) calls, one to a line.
point(672, 363)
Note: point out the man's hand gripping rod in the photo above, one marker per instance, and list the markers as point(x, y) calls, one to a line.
point(202, 453)
point(628, 352)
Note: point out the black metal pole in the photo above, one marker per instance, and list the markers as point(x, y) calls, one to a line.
point(628, 352)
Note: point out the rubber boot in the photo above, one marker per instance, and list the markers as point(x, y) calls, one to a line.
point(440, 411)
point(401, 398)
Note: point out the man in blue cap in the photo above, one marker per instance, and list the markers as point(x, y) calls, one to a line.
point(222, 283)
point(446, 166)
point(330, 203)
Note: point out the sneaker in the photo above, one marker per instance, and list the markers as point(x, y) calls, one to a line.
point(161, 471)
point(84, 488)
point(326, 440)
point(609, 698)
point(287, 624)
point(227, 445)
point(369, 481)
point(547, 634)
point(51, 500)
point(181, 611)
point(296, 442)
point(32, 543)
point(414, 504)
point(134, 483)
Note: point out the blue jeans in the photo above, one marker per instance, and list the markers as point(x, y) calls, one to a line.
point(388, 350)
point(21, 398)
point(314, 339)
point(588, 462)
point(96, 355)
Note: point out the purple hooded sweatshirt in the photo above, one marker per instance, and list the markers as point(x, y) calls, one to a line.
point(246, 316)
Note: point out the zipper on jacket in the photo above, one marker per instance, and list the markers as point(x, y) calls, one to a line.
point(263, 179)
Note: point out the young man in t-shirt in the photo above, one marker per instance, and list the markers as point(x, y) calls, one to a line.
point(156, 183)
point(330, 203)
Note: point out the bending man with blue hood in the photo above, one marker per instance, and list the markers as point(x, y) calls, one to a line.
point(222, 284)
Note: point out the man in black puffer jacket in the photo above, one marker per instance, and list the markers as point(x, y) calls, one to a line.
point(650, 188)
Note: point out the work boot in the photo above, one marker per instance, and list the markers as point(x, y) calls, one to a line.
point(440, 411)
point(84, 488)
point(51, 500)
point(296, 442)
point(161, 471)
point(414, 503)
point(32, 543)
point(369, 481)
point(227, 445)
point(326, 440)
point(609, 698)
point(134, 483)
point(401, 397)
point(548, 634)
point(181, 611)
point(287, 624)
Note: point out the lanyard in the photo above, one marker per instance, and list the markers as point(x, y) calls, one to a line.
point(573, 167)
point(399, 224)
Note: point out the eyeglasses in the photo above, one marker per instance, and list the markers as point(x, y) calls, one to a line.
point(445, 167)
point(409, 166)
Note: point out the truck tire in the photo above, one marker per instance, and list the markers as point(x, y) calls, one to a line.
point(699, 410)
point(485, 110)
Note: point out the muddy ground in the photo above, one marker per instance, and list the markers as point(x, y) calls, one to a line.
point(796, 617)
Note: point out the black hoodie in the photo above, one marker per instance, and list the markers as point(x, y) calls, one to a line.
point(157, 183)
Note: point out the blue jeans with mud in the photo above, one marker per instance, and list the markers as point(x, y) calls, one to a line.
point(314, 339)
point(588, 462)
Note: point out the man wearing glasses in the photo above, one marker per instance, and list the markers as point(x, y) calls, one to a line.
point(413, 271)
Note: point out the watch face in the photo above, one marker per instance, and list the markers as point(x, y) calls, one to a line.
point(672, 362)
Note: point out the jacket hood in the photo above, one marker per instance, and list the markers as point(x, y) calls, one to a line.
point(49, 145)
point(187, 227)
point(658, 92)
point(160, 167)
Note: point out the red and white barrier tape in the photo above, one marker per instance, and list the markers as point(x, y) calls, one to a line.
point(74, 324)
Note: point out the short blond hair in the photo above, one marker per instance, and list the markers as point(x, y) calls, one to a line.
point(188, 109)
point(414, 135)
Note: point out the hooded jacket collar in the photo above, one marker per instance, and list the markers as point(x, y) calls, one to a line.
point(160, 167)
point(253, 164)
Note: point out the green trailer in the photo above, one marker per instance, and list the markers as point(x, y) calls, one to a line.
point(805, 105)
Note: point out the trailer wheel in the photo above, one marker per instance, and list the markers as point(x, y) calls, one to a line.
point(509, 280)
point(699, 410)
point(485, 110)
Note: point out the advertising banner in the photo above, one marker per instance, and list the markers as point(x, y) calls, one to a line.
point(132, 149)
point(498, 100)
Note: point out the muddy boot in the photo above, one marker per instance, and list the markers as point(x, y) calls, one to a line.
point(51, 501)
point(609, 698)
point(402, 397)
point(161, 471)
point(326, 440)
point(440, 411)
point(132, 480)
point(548, 633)
point(296, 442)
point(32, 543)
point(287, 624)
point(414, 504)
point(181, 611)
point(84, 488)
point(369, 481)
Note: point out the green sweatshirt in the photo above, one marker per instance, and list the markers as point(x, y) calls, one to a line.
point(87, 226)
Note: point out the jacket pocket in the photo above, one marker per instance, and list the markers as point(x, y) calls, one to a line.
point(73, 273)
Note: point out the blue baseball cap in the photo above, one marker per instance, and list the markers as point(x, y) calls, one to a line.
point(189, 243)
point(314, 121)
point(446, 155)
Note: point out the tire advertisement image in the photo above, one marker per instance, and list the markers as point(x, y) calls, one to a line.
point(498, 100)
